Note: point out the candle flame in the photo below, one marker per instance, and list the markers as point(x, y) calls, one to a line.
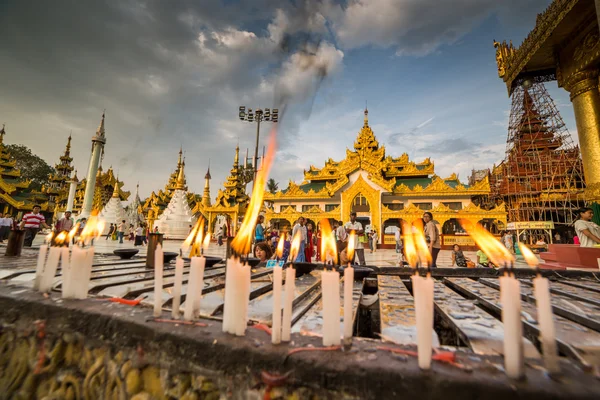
point(410, 249)
point(60, 238)
point(199, 227)
point(48, 237)
point(280, 244)
point(491, 246)
point(328, 244)
point(93, 228)
point(73, 231)
point(206, 241)
point(242, 243)
point(350, 249)
point(421, 243)
point(530, 258)
point(296, 246)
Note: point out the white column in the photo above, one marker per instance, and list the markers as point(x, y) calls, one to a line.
point(90, 185)
point(71, 198)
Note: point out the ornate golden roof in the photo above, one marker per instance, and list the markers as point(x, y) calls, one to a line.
point(395, 175)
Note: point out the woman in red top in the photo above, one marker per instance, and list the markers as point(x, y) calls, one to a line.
point(308, 249)
point(318, 243)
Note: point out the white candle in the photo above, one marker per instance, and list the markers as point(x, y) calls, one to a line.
point(158, 280)
point(546, 324)
point(39, 269)
point(83, 284)
point(190, 297)
point(177, 287)
point(290, 288)
point(78, 259)
point(243, 300)
point(510, 298)
point(348, 286)
point(277, 286)
point(228, 308)
point(423, 297)
point(198, 263)
point(331, 308)
point(50, 269)
point(66, 272)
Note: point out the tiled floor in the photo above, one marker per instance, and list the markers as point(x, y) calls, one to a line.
point(380, 257)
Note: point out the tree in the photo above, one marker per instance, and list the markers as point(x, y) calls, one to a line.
point(31, 166)
point(272, 186)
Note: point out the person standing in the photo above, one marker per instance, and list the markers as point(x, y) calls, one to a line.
point(2, 227)
point(373, 240)
point(432, 238)
point(299, 229)
point(398, 239)
point(587, 230)
point(259, 230)
point(121, 230)
point(219, 235)
point(65, 224)
point(507, 240)
point(9, 225)
point(31, 223)
point(354, 226)
point(111, 229)
point(308, 248)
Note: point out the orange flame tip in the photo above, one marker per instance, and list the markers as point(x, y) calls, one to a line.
point(530, 258)
point(60, 238)
point(410, 248)
point(491, 246)
point(206, 241)
point(422, 247)
point(242, 243)
point(73, 231)
point(295, 248)
point(328, 244)
point(351, 239)
point(48, 237)
point(280, 245)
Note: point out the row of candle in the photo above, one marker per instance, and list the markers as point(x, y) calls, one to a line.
point(510, 300)
point(76, 264)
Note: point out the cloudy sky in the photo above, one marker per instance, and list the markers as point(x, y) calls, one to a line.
point(173, 73)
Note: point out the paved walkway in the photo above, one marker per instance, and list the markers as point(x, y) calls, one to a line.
point(382, 257)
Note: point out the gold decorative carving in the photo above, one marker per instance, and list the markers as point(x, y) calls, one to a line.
point(592, 192)
point(586, 46)
point(581, 82)
point(372, 195)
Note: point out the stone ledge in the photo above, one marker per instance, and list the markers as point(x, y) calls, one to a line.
point(362, 372)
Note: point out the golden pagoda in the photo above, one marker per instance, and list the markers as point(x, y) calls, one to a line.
point(382, 190)
point(155, 204)
point(58, 187)
point(16, 197)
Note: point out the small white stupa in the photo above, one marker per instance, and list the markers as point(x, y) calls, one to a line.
point(113, 212)
point(132, 215)
point(175, 221)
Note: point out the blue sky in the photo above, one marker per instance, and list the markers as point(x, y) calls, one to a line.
point(174, 74)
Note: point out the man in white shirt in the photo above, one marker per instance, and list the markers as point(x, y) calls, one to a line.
point(300, 229)
point(2, 228)
point(356, 227)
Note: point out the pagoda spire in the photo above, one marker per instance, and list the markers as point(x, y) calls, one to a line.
point(180, 185)
point(100, 131)
point(366, 117)
point(116, 188)
point(2, 133)
point(236, 160)
point(206, 194)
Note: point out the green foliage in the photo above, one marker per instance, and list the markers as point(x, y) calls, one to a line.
point(31, 166)
point(272, 186)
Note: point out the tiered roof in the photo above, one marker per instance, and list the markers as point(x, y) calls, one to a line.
point(13, 189)
point(58, 188)
point(398, 175)
point(235, 190)
point(105, 186)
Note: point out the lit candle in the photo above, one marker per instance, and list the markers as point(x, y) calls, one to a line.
point(330, 287)
point(159, 262)
point(277, 290)
point(50, 269)
point(510, 297)
point(41, 262)
point(290, 288)
point(348, 287)
point(66, 272)
point(423, 297)
point(196, 281)
point(541, 290)
point(78, 259)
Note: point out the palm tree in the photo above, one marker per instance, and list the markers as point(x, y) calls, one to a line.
point(272, 186)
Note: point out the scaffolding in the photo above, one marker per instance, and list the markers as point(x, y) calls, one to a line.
point(541, 177)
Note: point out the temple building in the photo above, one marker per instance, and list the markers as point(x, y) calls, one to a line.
point(383, 190)
point(541, 177)
point(231, 201)
point(113, 212)
point(16, 197)
point(133, 211)
point(103, 192)
point(58, 187)
point(177, 218)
